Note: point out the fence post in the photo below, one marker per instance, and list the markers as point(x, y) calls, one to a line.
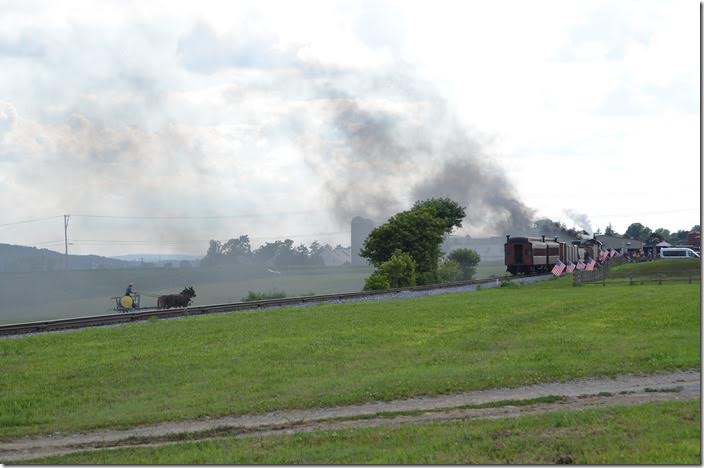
point(690, 279)
point(630, 277)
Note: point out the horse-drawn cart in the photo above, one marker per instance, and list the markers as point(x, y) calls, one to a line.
point(126, 303)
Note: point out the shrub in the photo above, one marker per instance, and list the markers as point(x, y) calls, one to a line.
point(468, 260)
point(397, 272)
point(376, 281)
point(255, 296)
point(449, 270)
point(400, 269)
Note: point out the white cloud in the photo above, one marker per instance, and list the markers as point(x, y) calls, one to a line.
point(219, 100)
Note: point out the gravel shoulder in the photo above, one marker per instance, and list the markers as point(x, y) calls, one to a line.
point(577, 394)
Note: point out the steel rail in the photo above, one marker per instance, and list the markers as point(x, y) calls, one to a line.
point(141, 315)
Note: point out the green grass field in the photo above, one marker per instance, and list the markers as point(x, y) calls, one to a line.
point(30, 297)
point(340, 354)
point(681, 267)
point(656, 433)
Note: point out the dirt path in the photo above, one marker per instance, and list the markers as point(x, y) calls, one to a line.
point(577, 394)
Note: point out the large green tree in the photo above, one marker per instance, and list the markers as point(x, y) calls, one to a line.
point(638, 231)
point(419, 232)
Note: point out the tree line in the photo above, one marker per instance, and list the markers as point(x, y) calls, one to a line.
point(277, 253)
point(643, 233)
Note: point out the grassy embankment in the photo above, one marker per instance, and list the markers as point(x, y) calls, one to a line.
point(341, 354)
point(679, 268)
point(657, 433)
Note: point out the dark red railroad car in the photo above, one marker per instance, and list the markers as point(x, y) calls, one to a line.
point(537, 254)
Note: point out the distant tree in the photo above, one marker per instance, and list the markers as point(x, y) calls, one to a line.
point(419, 232)
point(236, 250)
point(266, 253)
point(316, 253)
point(679, 237)
point(449, 270)
point(659, 235)
point(282, 253)
point(467, 259)
point(638, 231)
point(214, 254)
point(609, 231)
point(696, 228)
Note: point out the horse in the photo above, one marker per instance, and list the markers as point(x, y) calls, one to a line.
point(176, 300)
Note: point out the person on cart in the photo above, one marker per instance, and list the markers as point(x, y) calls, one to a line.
point(129, 292)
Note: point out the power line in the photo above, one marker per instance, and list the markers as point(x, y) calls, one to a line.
point(194, 241)
point(30, 220)
point(47, 242)
point(246, 215)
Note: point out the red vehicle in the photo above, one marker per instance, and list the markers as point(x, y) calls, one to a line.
point(539, 255)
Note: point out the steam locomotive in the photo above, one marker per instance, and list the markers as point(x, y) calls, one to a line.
point(539, 255)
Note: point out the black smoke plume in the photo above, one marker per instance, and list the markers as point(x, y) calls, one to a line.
point(379, 155)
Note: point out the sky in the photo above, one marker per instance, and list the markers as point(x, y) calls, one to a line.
point(160, 125)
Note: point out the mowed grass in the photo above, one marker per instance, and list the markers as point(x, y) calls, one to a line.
point(338, 354)
point(682, 266)
point(655, 433)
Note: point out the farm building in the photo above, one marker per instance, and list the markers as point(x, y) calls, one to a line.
point(621, 244)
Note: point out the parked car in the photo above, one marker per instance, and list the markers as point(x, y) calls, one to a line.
point(678, 252)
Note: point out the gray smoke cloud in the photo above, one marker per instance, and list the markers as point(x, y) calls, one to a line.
point(376, 160)
point(581, 220)
point(376, 140)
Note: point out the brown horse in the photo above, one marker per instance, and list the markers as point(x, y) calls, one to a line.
point(176, 300)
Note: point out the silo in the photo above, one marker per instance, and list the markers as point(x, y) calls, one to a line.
point(361, 227)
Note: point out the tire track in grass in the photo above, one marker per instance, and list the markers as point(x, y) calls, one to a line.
point(490, 403)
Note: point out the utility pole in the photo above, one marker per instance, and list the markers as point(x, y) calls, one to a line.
point(66, 238)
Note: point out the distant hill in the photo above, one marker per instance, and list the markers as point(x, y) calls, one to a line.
point(19, 258)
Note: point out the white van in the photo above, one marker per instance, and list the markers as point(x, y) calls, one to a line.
point(678, 252)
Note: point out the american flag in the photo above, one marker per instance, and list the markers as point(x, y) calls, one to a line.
point(558, 268)
point(570, 268)
point(614, 253)
point(603, 255)
point(580, 265)
point(590, 266)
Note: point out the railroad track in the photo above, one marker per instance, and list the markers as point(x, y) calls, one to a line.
point(128, 317)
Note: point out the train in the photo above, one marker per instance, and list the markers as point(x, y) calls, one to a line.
point(525, 255)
